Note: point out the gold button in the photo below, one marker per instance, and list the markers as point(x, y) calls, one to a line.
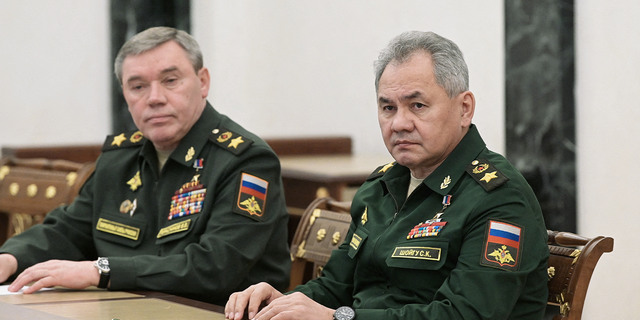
point(51, 192)
point(32, 190)
point(14, 188)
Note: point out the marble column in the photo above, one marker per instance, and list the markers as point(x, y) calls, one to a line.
point(540, 116)
point(129, 17)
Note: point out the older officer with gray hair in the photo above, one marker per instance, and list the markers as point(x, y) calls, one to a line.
point(191, 203)
point(449, 230)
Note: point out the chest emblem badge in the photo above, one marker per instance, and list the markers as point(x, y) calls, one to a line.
point(135, 182)
point(364, 217)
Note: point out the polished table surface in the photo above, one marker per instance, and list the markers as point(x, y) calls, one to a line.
point(332, 167)
point(92, 304)
point(307, 177)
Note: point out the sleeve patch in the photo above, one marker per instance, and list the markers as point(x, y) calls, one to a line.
point(501, 247)
point(252, 197)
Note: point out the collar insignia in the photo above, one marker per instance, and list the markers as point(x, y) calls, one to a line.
point(190, 153)
point(364, 217)
point(445, 183)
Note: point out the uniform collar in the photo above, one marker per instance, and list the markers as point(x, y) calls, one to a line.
point(191, 145)
point(193, 142)
point(445, 176)
point(451, 170)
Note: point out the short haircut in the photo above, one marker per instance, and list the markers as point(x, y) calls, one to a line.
point(449, 66)
point(154, 37)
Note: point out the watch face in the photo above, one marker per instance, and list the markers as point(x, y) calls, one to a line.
point(344, 313)
point(103, 264)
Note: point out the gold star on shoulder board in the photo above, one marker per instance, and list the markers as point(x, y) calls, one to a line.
point(488, 176)
point(117, 140)
point(386, 167)
point(236, 142)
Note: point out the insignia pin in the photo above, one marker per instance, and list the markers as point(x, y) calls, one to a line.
point(135, 182)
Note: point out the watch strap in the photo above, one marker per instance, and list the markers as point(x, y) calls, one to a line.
point(104, 280)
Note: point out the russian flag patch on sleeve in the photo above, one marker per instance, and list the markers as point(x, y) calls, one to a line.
point(252, 196)
point(502, 244)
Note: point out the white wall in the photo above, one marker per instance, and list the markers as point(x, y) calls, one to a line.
point(54, 83)
point(305, 68)
point(608, 78)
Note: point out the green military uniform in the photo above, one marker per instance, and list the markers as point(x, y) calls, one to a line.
point(212, 222)
point(468, 243)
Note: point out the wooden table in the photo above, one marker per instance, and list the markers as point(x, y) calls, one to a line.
point(338, 176)
point(93, 304)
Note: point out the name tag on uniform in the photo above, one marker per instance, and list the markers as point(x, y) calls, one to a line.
point(118, 229)
point(174, 228)
point(423, 253)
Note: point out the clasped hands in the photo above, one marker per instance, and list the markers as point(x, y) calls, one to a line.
point(275, 305)
point(68, 274)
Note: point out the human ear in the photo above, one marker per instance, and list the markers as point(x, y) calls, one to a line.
point(468, 102)
point(205, 80)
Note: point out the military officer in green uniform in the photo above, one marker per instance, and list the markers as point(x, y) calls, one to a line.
point(191, 204)
point(450, 230)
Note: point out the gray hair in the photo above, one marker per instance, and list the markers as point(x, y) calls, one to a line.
point(154, 37)
point(448, 64)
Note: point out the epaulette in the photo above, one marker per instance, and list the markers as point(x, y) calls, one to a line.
point(486, 174)
point(123, 140)
point(230, 141)
point(380, 171)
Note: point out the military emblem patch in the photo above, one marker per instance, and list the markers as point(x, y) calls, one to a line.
point(252, 196)
point(502, 246)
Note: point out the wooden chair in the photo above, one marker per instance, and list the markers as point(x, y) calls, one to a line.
point(570, 270)
point(322, 228)
point(30, 188)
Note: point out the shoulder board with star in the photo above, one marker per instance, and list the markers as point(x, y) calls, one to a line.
point(486, 174)
point(230, 141)
point(380, 171)
point(123, 140)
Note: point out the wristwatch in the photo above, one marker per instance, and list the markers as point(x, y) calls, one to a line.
point(102, 264)
point(344, 313)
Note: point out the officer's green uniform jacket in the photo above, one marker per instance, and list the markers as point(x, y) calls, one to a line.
point(122, 212)
point(488, 260)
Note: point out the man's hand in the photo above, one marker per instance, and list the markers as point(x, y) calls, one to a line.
point(69, 274)
point(293, 306)
point(8, 266)
point(250, 300)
